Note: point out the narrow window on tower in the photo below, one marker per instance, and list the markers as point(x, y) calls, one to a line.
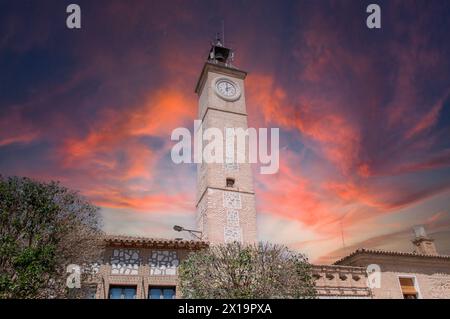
point(230, 182)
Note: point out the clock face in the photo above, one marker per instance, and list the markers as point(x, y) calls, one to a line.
point(227, 89)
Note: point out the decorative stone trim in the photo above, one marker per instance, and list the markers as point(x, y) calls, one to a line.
point(125, 262)
point(232, 234)
point(232, 231)
point(202, 224)
point(340, 281)
point(232, 200)
point(163, 262)
point(233, 218)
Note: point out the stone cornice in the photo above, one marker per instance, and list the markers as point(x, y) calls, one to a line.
point(220, 69)
point(224, 190)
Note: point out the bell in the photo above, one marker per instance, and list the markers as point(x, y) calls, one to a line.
point(219, 57)
point(219, 54)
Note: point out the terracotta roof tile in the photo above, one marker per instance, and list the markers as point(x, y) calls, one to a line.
point(389, 253)
point(116, 240)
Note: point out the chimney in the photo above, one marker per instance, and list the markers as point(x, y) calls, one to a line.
point(423, 244)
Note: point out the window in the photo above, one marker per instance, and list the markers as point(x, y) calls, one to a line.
point(156, 292)
point(230, 182)
point(408, 288)
point(122, 292)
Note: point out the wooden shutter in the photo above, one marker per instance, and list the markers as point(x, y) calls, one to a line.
point(407, 285)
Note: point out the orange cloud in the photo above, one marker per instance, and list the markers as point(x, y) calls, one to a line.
point(429, 119)
point(114, 150)
point(21, 138)
point(114, 198)
point(352, 120)
point(334, 136)
point(291, 195)
point(119, 132)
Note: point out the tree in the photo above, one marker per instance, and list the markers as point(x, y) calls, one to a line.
point(44, 227)
point(237, 271)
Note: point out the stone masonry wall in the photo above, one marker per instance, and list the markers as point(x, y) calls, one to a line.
point(125, 261)
point(140, 267)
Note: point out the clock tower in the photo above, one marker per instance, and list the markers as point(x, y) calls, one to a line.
point(225, 202)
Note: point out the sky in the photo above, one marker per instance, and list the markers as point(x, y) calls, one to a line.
point(363, 114)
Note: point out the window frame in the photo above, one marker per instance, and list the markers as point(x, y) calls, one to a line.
point(415, 281)
point(162, 287)
point(124, 286)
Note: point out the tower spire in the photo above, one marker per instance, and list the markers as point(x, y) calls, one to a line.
point(422, 242)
